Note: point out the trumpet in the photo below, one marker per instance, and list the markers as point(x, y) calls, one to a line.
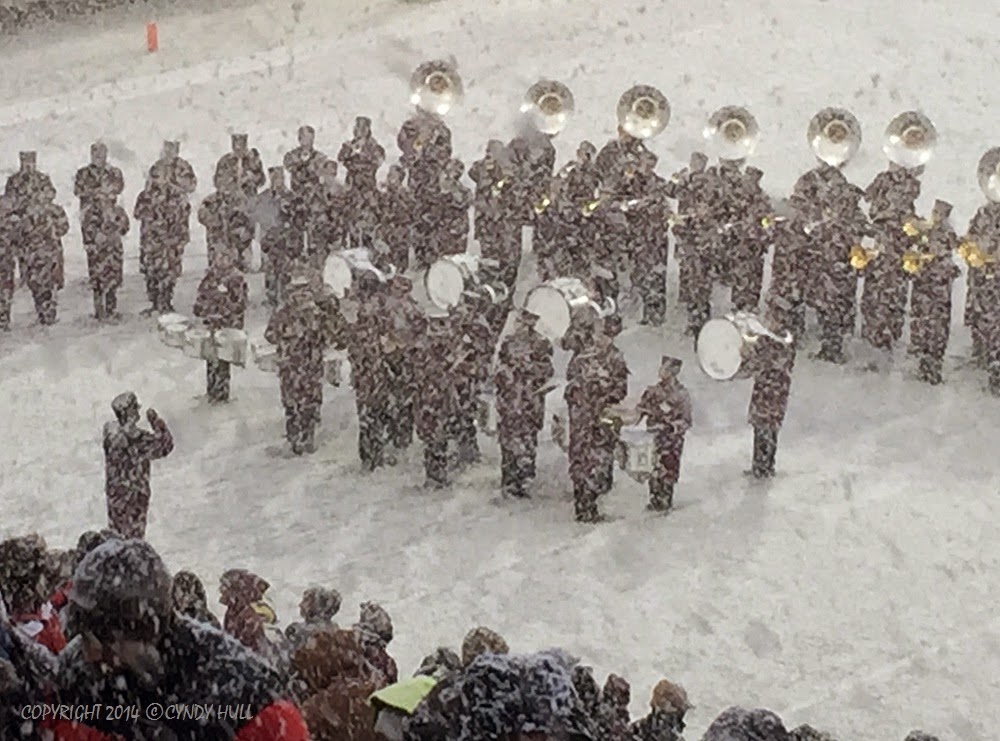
point(974, 255)
point(914, 262)
point(436, 86)
point(910, 139)
point(860, 257)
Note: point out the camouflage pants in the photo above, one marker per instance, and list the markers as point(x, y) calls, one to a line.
point(217, 376)
point(301, 418)
point(275, 284)
point(462, 429)
point(652, 287)
point(127, 514)
point(45, 304)
point(765, 448)
point(436, 461)
point(517, 462)
point(373, 428)
point(160, 292)
point(748, 279)
point(6, 297)
point(105, 302)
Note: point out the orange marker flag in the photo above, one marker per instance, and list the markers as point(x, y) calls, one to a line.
point(152, 38)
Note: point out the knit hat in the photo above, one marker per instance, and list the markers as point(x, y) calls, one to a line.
point(669, 697)
point(375, 619)
point(482, 640)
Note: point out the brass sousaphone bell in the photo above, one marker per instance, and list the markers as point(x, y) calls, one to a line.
point(834, 134)
point(548, 105)
point(436, 86)
point(910, 139)
point(643, 112)
point(988, 174)
point(733, 132)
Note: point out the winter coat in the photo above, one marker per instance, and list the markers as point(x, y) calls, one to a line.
point(27, 676)
point(197, 664)
point(128, 452)
point(595, 379)
point(524, 370)
point(739, 724)
point(164, 229)
point(304, 165)
point(339, 681)
point(361, 158)
point(240, 172)
point(657, 726)
point(40, 232)
point(222, 299)
point(301, 332)
point(376, 652)
point(239, 590)
point(770, 363)
point(94, 180)
point(104, 225)
point(176, 175)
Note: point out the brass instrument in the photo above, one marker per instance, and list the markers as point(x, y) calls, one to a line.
point(860, 257)
point(974, 255)
point(834, 134)
point(548, 105)
point(910, 139)
point(988, 174)
point(643, 112)
point(733, 132)
point(436, 86)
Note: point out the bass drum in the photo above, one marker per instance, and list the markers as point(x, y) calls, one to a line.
point(554, 302)
point(231, 345)
point(338, 275)
point(447, 279)
point(720, 349)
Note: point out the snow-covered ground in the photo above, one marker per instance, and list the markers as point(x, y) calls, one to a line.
point(857, 591)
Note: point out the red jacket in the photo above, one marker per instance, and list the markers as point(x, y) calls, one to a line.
point(43, 626)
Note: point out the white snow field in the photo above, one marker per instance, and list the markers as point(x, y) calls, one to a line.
point(857, 591)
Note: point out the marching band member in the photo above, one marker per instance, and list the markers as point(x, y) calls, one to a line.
point(305, 164)
point(891, 198)
point(241, 169)
point(163, 213)
point(228, 226)
point(523, 374)
point(497, 223)
point(104, 223)
point(693, 231)
point(436, 402)
point(8, 259)
point(650, 244)
point(982, 309)
point(40, 230)
point(281, 216)
point(407, 324)
point(666, 407)
point(397, 212)
point(361, 157)
point(596, 378)
point(300, 330)
point(932, 272)
point(97, 178)
point(221, 303)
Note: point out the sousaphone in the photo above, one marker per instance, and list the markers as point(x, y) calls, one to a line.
point(643, 112)
point(834, 134)
point(910, 139)
point(732, 132)
point(988, 174)
point(436, 86)
point(548, 106)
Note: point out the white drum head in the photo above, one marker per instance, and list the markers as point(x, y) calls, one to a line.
point(169, 320)
point(337, 274)
point(445, 284)
point(719, 349)
point(552, 309)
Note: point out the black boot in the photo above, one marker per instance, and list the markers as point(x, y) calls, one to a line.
point(111, 303)
point(930, 369)
point(661, 496)
point(585, 501)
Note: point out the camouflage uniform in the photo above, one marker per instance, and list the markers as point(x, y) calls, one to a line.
point(301, 331)
point(241, 170)
point(613, 717)
point(447, 217)
point(98, 178)
point(596, 378)
point(39, 234)
point(891, 198)
point(436, 402)
point(128, 452)
point(753, 240)
point(790, 271)
point(650, 243)
point(163, 213)
point(497, 223)
point(986, 306)
point(222, 303)
point(25, 187)
point(227, 226)
point(100, 182)
point(281, 216)
point(305, 165)
point(8, 259)
point(473, 349)
point(425, 143)
point(104, 223)
point(565, 232)
point(407, 323)
point(833, 222)
point(327, 210)
point(770, 363)
point(533, 162)
point(362, 157)
point(984, 232)
point(667, 409)
point(693, 189)
point(930, 301)
point(369, 371)
point(397, 214)
point(524, 371)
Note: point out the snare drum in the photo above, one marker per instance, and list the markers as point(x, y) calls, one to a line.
point(172, 329)
point(265, 356)
point(231, 346)
point(554, 302)
point(637, 451)
point(198, 343)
